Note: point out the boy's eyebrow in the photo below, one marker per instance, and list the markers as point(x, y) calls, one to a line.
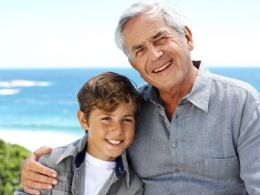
point(107, 113)
point(129, 115)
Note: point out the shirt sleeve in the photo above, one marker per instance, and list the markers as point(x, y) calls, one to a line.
point(248, 146)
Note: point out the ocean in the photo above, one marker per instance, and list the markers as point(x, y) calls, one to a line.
point(44, 100)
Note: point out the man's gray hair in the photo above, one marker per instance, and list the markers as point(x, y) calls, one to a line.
point(172, 17)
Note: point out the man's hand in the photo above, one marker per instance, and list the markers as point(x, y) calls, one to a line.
point(35, 176)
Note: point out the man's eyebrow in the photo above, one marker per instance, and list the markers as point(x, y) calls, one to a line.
point(158, 34)
point(136, 47)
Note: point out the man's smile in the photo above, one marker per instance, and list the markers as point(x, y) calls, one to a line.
point(163, 67)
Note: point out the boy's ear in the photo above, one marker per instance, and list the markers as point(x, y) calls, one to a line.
point(82, 120)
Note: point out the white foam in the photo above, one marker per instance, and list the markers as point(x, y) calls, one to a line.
point(35, 139)
point(23, 83)
point(9, 91)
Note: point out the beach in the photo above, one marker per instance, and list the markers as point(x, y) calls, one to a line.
point(35, 139)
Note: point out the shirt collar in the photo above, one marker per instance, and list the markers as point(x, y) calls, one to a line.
point(122, 167)
point(78, 148)
point(74, 149)
point(200, 93)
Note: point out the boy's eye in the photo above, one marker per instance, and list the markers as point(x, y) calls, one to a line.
point(128, 120)
point(105, 118)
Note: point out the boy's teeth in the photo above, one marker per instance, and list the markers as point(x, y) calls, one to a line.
point(114, 141)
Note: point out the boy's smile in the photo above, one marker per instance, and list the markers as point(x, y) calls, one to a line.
point(109, 134)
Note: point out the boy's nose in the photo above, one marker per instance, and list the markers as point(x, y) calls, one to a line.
point(117, 129)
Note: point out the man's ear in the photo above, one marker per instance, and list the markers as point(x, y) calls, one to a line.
point(82, 120)
point(188, 37)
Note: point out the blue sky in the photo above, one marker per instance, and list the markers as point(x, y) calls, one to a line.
point(67, 33)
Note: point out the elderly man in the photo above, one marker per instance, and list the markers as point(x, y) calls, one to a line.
point(198, 133)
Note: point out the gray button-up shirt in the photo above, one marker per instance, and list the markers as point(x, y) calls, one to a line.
point(210, 146)
point(69, 163)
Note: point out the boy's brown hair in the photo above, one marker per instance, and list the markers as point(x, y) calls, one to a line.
point(105, 91)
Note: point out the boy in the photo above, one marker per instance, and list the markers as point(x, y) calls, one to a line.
point(96, 164)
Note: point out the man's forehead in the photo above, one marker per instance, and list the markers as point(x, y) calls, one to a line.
point(148, 34)
point(145, 30)
point(143, 23)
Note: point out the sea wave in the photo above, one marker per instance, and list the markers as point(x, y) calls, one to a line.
point(9, 91)
point(23, 83)
point(35, 139)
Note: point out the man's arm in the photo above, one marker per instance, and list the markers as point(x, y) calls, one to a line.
point(35, 176)
point(249, 147)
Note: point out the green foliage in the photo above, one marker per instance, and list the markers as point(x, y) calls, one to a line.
point(11, 158)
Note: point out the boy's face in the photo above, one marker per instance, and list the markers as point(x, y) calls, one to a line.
point(109, 134)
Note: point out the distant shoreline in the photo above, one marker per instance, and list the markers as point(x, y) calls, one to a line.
point(35, 139)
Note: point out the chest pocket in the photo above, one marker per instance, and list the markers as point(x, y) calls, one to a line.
point(222, 169)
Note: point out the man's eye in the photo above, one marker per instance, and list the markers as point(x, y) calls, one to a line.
point(160, 40)
point(140, 52)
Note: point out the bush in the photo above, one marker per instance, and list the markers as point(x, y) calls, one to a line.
point(11, 158)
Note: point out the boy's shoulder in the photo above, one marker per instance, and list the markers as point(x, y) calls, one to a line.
point(52, 158)
point(62, 154)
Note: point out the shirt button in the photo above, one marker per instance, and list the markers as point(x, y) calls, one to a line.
point(174, 144)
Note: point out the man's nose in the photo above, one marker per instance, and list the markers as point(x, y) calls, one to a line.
point(154, 52)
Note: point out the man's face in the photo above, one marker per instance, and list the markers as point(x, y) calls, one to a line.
point(109, 134)
point(159, 53)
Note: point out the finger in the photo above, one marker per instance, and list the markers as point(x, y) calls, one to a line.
point(39, 168)
point(36, 177)
point(31, 191)
point(30, 165)
point(42, 150)
point(29, 184)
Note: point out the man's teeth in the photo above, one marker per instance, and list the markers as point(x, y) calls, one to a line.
point(162, 67)
point(114, 141)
